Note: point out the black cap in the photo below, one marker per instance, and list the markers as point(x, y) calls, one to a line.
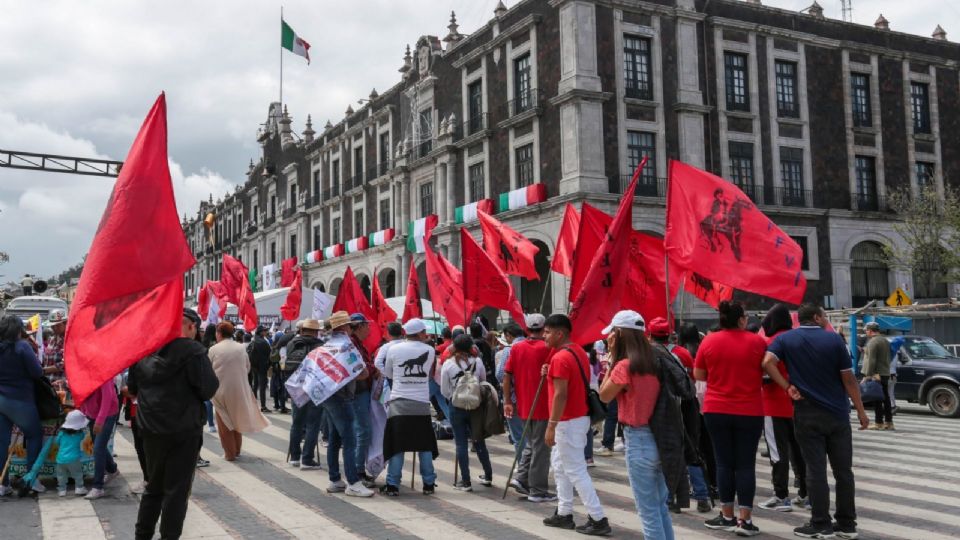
point(192, 315)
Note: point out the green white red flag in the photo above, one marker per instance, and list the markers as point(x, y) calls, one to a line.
point(290, 41)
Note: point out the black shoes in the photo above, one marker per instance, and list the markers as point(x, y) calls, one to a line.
point(721, 523)
point(560, 522)
point(594, 527)
point(674, 507)
point(704, 506)
point(810, 530)
point(392, 491)
point(429, 489)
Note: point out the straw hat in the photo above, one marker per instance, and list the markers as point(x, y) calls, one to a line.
point(310, 324)
point(338, 319)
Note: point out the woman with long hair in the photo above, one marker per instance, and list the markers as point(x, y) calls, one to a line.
point(730, 362)
point(19, 371)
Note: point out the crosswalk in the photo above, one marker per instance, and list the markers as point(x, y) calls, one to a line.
point(907, 487)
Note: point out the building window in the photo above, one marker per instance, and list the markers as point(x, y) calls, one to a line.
point(316, 183)
point(791, 175)
point(424, 133)
point(802, 242)
point(273, 205)
point(256, 258)
point(787, 89)
point(316, 238)
point(293, 246)
point(636, 67)
point(426, 199)
point(860, 99)
point(735, 71)
point(253, 218)
point(741, 167)
point(357, 166)
point(478, 188)
point(522, 97)
point(335, 231)
point(523, 157)
point(920, 105)
point(868, 273)
point(385, 214)
point(866, 196)
point(384, 151)
point(358, 223)
point(474, 107)
point(335, 179)
point(641, 144)
point(273, 252)
point(293, 197)
point(925, 173)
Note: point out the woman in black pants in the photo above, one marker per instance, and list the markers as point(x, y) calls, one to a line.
point(730, 362)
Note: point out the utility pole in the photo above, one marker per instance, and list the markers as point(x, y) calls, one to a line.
point(846, 8)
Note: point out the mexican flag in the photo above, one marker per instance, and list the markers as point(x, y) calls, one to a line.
point(519, 198)
point(468, 213)
point(314, 257)
point(290, 41)
point(417, 232)
point(357, 244)
point(330, 252)
point(380, 238)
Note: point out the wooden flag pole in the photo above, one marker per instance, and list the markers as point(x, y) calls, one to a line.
point(413, 470)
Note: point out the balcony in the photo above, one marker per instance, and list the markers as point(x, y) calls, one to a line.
point(754, 192)
point(289, 212)
point(269, 221)
point(384, 167)
point(788, 196)
point(473, 125)
point(335, 189)
point(634, 92)
point(353, 182)
point(314, 200)
point(422, 149)
point(527, 100)
point(252, 228)
point(867, 202)
point(646, 186)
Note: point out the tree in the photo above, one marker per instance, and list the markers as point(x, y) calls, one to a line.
point(930, 225)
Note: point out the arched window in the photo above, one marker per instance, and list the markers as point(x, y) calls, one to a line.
point(335, 286)
point(868, 273)
point(388, 282)
point(535, 296)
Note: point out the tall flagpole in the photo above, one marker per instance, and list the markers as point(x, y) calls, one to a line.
point(281, 60)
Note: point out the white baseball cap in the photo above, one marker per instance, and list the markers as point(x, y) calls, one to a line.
point(535, 321)
point(414, 326)
point(626, 319)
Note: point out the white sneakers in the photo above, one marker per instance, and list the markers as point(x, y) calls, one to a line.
point(38, 487)
point(357, 489)
point(337, 487)
point(294, 463)
point(80, 491)
point(95, 494)
point(107, 477)
point(619, 447)
point(139, 488)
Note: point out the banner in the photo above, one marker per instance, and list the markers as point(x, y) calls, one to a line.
point(322, 302)
point(323, 372)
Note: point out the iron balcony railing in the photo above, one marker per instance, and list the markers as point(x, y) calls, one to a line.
point(524, 101)
point(269, 221)
point(384, 167)
point(252, 228)
point(423, 148)
point(646, 186)
point(473, 125)
point(789, 196)
point(289, 212)
point(867, 202)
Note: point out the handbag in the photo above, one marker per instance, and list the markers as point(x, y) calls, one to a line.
point(871, 391)
point(596, 409)
point(47, 399)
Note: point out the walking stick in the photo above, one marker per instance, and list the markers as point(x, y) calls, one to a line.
point(6, 466)
point(413, 471)
point(523, 435)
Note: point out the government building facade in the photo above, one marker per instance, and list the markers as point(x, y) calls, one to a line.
point(815, 119)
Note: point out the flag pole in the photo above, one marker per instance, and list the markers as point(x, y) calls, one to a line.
point(666, 259)
point(281, 60)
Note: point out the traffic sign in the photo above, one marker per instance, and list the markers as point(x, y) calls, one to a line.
point(899, 298)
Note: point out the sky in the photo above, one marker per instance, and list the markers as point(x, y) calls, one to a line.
point(77, 78)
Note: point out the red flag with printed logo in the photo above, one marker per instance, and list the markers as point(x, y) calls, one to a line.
point(412, 308)
point(290, 310)
point(563, 256)
point(350, 298)
point(445, 283)
point(510, 250)
point(382, 311)
point(715, 228)
point(484, 283)
point(707, 290)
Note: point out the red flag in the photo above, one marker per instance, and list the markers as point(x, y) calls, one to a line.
point(350, 298)
point(383, 312)
point(203, 302)
point(412, 308)
point(484, 282)
point(133, 275)
point(446, 288)
point(606, 282)
point(713, 227)
point(286, 271)
point(705, 289)
point(510, 250)
point(209, 291)
point(290, 310)
point(233, 277)
point(566, 242)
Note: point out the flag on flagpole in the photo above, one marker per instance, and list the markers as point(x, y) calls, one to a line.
point(563, 257)
point(290, 310)
point(384, 313)
point(238, 291)
point(412, 308)
point(290, 41)
point(510, 250)
point(445, 283)
point(484, 282)
point(350, 298)
point(286, 271)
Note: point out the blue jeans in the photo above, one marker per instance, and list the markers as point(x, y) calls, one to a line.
point(24, 414)
point(361, 426)
point(460, 420)
point(698, 482)
point(305, 428)
point(515, 425)
point(209, 405)
point(395, 469)
point(102, 457)
point(441, 401)
point(646, 480)
point(341, 417)
point(610, 426)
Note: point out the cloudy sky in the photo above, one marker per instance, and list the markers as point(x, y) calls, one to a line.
point(76, 78)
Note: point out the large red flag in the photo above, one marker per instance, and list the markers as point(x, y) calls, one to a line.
point(713, 227)
point(566, 242)
point(446, 288)
point(705, 289)
point(484, 282)
point(133, 276)
point(383, 312)
point(412, 307)
point(233, 277)
point(606, 281)
point(290, 310)
point(286, 271)
point(350, 298)
point(212, 290)
point(510, 250)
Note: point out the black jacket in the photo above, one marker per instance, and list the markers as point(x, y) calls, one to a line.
point(171, 387)
point(666, 422)
point(297, 350)
point(259, 352)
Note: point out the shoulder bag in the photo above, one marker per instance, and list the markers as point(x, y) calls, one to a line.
point(596, 409)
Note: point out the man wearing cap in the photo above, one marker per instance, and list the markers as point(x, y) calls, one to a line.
point(305, 425)
point(512, 334)
point(409, 427)
point(281, 370)
point(340, 413)
point(259, 352)
point(522, 377)
point(171, 387)
point(876, 365)
point(361, 403)
point(53, 350)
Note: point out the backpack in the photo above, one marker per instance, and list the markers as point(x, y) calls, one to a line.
point(466, 393)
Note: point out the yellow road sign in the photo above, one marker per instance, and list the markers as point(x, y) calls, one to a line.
point(899, 298)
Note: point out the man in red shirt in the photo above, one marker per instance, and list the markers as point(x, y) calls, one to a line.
point(522, 375)
point(567, 386)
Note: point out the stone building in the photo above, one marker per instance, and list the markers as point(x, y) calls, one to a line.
point(817, 120)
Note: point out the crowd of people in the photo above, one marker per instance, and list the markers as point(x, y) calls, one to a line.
point(687, 411)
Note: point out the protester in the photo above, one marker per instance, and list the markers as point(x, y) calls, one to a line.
point(259, 352)
point(306, 420)
point(778, 425)
point(822, 384)
point(876, 365)
point(170, 388)
point(69, 438)
point(102, 408)
point(478, 333)
point(512, 335)
point(19, 371)
point(236, 407)
point(461, 371)
point(360, 327)
point(281, 370)
point(730, 362)
point(523, 377)
point(567, 429)
point(610, 424)
point(409, 428)
point(395, 335)
point(53, 366)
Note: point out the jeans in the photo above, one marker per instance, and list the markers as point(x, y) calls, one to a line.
point(102, 457)
point(304, 428)
point(610, 426)
point(883, 411)
point(24, 414)
point(735, 439)
point(515, 425)
point(460, 420)
point(533, 469)
point(362, 427)
point(698, 483)
point(438, 397)
point(395, 469)
point(650, 492)
point(570, 468)
point(69, 470)
point(172, 461)
point(340, 413)
point(784, 451)
point(260, 385)
point(588, 449)
point(209, 405)
point(823, 435)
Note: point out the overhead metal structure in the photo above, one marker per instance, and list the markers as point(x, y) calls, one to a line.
point(62, 164)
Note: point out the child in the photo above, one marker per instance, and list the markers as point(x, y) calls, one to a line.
point(69, 438)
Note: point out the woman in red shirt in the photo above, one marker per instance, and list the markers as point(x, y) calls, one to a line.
point(730, 362)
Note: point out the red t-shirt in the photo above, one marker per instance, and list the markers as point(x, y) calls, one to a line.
point(685, 358)
point(635, 403)
point(563, 366)
point(523, 364)
point(776, 401)
point(732, 360)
